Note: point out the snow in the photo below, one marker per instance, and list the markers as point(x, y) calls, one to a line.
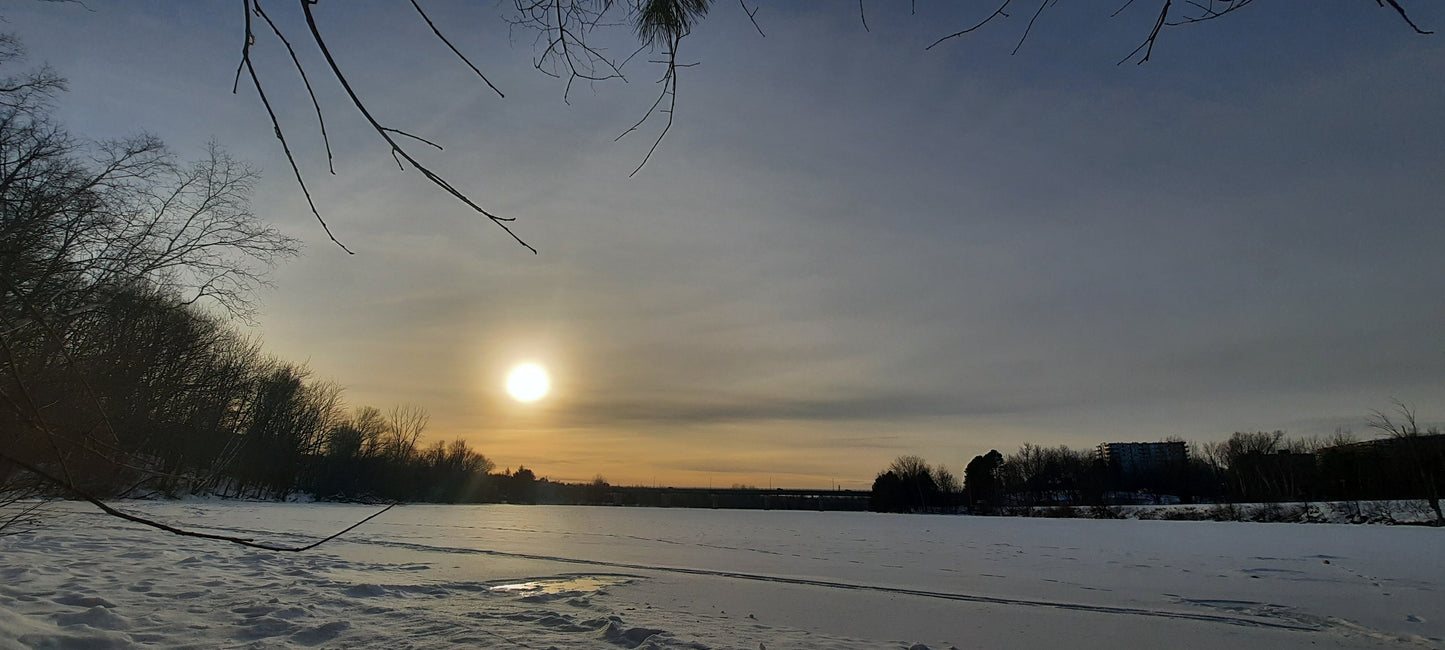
point(566, 577)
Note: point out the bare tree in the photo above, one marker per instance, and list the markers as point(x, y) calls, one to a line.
point(910, 468)
point(107, 250)
point(946, 481)
point(1341, 436)
point(1240, 459)
point(404, 426)
point(361, 436)
point(908, 484)
point(1419, 452)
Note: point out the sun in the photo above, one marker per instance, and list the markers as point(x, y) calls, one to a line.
point(528, 383)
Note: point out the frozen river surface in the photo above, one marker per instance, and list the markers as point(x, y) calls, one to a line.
point(576, 577)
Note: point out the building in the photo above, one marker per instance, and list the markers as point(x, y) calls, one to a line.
point(1137, 459)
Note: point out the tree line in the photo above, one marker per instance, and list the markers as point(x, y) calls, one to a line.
point(1406, 462)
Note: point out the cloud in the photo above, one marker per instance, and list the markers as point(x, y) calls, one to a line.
point(848, 236)
point(769, 408)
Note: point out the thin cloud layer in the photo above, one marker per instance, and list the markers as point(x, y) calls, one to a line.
point(848, 248)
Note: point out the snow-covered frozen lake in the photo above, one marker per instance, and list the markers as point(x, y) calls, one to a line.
point(566, 577)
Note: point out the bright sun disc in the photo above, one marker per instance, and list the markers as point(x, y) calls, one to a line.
point(528, 382)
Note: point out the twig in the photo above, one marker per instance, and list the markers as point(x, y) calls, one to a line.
point(243, 541)
point(751, 17)
point(1148, 44)
point(669, 92)
point(1208, 12)
point(315, 104)
point(1401, 10)
point(27, 515)
point(1030, 27)
point(385, 132)
point(280, 135)
point(414, 137)
point(996, 13)
point(454, 48)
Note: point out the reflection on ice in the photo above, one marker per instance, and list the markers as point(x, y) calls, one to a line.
point(564, 584)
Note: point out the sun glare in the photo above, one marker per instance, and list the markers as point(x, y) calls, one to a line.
point(528, 383)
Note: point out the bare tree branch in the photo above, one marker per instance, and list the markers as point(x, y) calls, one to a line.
point(563, 28)
point(297, 62)
point(664, 23)
point(1030, 26)
point(78, 493)
point(565, 50)
point(386, 132)
point(669, 93)
point(752, 16)
point(276, 124)
point(1207, 10)
point(414, 137)
point(1394, 4)
point(1215, 9)
point(454, 49)
point(1148, 44)
point(996, 13)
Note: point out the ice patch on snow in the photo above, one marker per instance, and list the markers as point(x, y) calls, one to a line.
point(563, 585)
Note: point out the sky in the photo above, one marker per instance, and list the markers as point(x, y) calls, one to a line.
point(847, 247)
